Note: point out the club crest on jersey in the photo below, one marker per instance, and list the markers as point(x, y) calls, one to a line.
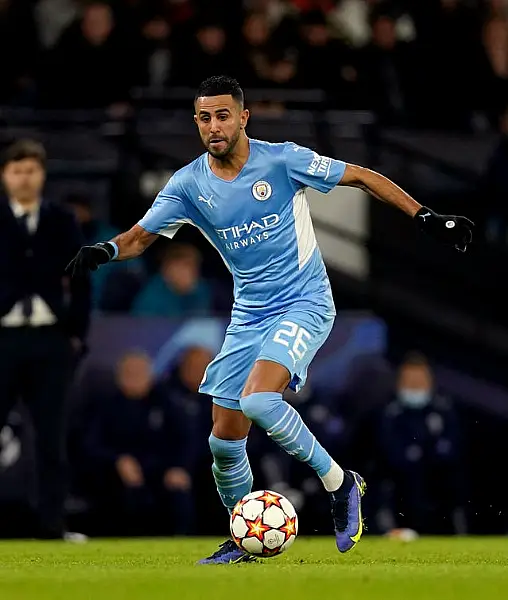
point(261, 190)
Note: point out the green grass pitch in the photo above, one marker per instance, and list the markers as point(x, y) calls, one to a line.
point(430, 569)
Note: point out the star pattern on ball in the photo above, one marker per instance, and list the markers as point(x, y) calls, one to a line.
point(237, 510)
point(289, 527)
point(257, 528)
point(270, 499)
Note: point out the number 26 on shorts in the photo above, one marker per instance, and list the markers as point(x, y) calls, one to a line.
point(294, 338)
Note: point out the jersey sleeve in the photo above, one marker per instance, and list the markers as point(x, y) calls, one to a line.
point(307, 168)
point(167, 213)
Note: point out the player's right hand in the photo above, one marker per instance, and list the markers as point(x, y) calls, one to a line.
point(90, 258)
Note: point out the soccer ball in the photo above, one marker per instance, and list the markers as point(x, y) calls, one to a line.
point(264, 523)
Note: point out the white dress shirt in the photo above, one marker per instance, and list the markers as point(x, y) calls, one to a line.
point(41, 313)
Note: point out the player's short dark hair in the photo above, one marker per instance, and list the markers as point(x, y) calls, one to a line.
point(220, 85)
point(23, 149)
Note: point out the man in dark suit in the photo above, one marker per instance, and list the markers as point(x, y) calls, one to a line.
point(43, 319)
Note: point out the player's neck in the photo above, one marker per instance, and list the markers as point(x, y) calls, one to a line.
point(229, 167)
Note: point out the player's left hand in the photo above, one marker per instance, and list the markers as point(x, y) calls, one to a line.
point(448, 229)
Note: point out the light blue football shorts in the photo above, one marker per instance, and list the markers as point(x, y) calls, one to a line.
point(291, 339)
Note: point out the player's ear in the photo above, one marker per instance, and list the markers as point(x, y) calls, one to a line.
point(196, 119)
point(244, 117)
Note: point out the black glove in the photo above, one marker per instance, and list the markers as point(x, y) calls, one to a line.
point(89, 258)
point(448, 229)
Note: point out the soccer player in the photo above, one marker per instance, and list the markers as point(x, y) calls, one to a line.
point(247, 197)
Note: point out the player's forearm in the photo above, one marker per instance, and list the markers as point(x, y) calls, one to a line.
point(381, 188)
point(132, 243)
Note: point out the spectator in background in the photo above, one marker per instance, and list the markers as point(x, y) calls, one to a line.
point(115, 285)
point(352, 19)
point(420, 443)
point(43, 319)
point(266, 63)
point(147, 29)
point(182, 384)
point(281, 69)
point(141, 446)
point(52, 17)
point(388, 73)
point(275, 11)
point(181, 363)
point(180, 366)
point(493, 191)
point(178, 289)
point(268, 57)
point(256, 49)
point(495, 43)
point(154, 52)
point(91, 66)
point(18, 49)
point(282, 19)
point(207, 53)
point(318, 50)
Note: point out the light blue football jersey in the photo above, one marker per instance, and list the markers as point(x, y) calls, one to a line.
point(259, 222)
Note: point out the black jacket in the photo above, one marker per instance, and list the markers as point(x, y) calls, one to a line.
point(152, 429)
point(36, 265)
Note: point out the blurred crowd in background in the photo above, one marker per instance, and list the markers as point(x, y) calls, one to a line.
point(144, 461)
point(139, 460)
point(441, 63)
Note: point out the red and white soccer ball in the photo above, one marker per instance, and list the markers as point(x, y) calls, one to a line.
point(264, 523)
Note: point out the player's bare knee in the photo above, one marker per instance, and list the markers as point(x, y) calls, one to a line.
point(229, 424)
point(225, 431)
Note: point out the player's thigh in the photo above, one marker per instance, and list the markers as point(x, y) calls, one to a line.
point(229, 424)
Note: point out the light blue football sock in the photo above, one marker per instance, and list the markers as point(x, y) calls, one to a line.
point(286, 427)
point(231, 469)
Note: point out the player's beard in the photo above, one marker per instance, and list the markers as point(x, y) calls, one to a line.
point(230, 145)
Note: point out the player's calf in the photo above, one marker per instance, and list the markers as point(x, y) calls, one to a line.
point(231, 469)
point(285, 426)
